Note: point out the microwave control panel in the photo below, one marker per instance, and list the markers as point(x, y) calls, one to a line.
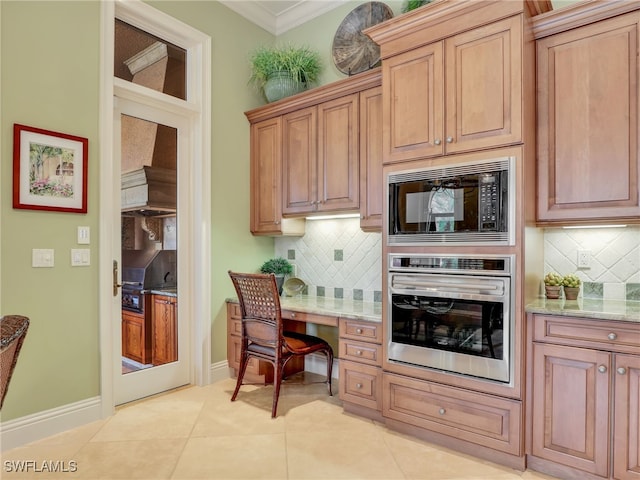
point(489, 203)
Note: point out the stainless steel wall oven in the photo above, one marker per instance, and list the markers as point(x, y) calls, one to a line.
point(452, 313)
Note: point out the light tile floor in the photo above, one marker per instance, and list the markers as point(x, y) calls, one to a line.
point(197, 433)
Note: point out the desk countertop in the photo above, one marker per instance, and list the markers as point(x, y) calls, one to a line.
point(338, 307)
point(588, 308)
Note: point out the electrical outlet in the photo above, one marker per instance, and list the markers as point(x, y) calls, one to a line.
point(584, 258)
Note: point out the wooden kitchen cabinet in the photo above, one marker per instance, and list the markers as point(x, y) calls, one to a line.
point(588, 159)
point(455, 95)
point(371, 183)
point(585, 397)
point(360, 354)
point(136, 337)
point(164, 327)
point(266, 182)
point(320, 158)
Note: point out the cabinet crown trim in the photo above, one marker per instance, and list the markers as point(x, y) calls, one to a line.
point(578, 15)
point(340, 88)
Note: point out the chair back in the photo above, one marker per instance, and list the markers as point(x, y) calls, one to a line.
point(13, 329)
point(260, 308)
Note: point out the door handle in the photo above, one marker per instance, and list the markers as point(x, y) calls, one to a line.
point(116, 285)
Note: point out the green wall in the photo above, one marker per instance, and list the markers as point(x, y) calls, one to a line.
point(50, 54)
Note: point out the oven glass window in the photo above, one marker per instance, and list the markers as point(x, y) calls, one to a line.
point(463, 326)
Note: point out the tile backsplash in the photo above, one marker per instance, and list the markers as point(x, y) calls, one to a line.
point(336, 259)
point(614, 271)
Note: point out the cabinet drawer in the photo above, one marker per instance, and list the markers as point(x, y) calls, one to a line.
point(361, 330)
point(310, 318)
point(473, 417)
point(233, 310)
point(361, 384)
point(257, 371)
point(369, 353)
point(603, 334)
point(235, 326)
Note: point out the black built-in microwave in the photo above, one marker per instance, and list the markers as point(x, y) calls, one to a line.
point(471, 203)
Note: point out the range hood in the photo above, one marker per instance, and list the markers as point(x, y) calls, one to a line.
point(149, 149)
point(149, 191)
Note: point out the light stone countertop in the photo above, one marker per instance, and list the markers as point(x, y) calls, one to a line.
point(339, 307)
point(628, 311)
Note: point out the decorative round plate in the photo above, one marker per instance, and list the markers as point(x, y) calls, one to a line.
point(293, 286)
point(353, 51)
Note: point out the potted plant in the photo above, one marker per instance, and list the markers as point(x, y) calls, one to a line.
point(280, 71)
point(571, 284)
point(279, 267)
point(413, 4)
point(552, 285)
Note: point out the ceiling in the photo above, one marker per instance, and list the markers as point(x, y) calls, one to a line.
point(278, 16)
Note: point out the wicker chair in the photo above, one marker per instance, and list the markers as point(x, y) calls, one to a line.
point(263, 335)
point(13, 329)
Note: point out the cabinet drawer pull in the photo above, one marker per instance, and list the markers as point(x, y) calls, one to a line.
point(358, 331)
point(358, 385)
point(358, 352)
point(621, 370)
point(612, 336)
point(293, 314)
point(442, 411)
point(602, 369)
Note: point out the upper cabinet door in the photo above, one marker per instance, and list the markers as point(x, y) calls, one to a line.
point(413, 99)
point(299, 160)
point(588, 122)
point(484, 87)
point(337, 182)
point(371, 190)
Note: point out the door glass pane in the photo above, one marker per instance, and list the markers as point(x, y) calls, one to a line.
point(144, 59)
point(149, 244)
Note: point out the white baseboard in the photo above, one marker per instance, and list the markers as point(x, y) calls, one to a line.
point(219, 371)
point(23, 430)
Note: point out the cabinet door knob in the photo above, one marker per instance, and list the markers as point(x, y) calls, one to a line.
point(602, 369)
point(621, 370)
point(442, 411)
point(449, 139)
point(612, 336)
point(437, 141)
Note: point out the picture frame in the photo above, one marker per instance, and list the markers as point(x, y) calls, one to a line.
point(49, 170)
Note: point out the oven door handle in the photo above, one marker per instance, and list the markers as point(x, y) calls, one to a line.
point(443, 286)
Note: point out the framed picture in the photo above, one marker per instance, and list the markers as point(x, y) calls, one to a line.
point(49, 170)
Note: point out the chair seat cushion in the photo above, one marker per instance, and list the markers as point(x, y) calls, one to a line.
point(301, 344)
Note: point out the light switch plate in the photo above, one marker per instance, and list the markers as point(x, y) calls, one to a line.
point(42, 257)
point(84, 235)
point(80, 257)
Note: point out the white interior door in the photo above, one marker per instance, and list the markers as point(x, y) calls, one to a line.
point(152, 377)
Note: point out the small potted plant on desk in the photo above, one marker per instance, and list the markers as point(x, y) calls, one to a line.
point(279, 267)
point(552, 285)
point(571, 284)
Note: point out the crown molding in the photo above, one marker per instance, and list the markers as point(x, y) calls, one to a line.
point(296, 15)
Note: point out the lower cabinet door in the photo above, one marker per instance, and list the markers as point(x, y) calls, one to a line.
point(478, 418)
point(570, 411)
point(361, 384)
point(626, 437)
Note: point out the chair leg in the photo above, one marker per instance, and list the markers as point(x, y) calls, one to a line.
point(244, 361)
point(277, 380)
point(329, 354)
